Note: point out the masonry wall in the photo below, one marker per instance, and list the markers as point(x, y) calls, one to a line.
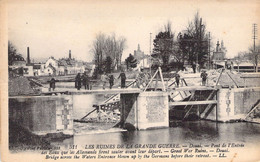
point(152, 110)
point(233, 104)
point(244, 100)
point(145, 110)
point(42, 114)
point(128, 110)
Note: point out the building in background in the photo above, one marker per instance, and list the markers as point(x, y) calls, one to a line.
point(63, 66)
point(20, 67)
point(143, 60)
point(219, 55)
point(138, 54)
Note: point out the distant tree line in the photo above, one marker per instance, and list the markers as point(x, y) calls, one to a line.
point(252, 56)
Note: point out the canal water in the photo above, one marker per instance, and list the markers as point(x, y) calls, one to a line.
point(187, 132)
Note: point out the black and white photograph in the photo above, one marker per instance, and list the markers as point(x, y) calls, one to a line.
point(144, 80)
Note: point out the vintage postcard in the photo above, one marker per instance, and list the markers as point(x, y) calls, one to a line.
point(141, 80)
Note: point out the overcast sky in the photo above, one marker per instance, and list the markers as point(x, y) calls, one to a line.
point(53, 28)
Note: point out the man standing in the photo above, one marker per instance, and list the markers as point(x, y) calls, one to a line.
point(111, 81)
point(123, 78)
point(104, 80)
point(52, 84)
point(177, 78)
point(78, 81)
point(204, 75)
point(85, 80)
point(194, 67)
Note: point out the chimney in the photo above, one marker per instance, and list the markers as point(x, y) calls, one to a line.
point(69, 54)
point(28, 56)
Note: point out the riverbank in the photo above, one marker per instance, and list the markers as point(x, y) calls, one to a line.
point(21, 139)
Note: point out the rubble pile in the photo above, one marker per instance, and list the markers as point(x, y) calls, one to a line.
point(20, 85)
point(104, 117)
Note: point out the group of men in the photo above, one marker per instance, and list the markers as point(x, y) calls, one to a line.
point(142, 80)
point(82, 80)
point(110, 78)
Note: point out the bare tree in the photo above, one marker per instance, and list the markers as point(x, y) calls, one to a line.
point(105, 46)
point(194, 41)
point(253, 56)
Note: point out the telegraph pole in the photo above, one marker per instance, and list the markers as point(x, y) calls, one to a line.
point(254, 38)
point(199, 44)
point(209, 53)
point(150, 54)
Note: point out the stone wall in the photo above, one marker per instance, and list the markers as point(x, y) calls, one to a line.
point(233, 104)
point(42, 114)
point(153, 110)
point(144, 111)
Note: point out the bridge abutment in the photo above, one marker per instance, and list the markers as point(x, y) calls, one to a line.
point(145, 110)
point(233, 104)
point(42, 114)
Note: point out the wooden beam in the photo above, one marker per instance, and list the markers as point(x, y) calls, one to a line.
point(151, 80)
point(219, 76)
point(98, 91)
point(194, 88)
point(160, 72)
point(183, 103)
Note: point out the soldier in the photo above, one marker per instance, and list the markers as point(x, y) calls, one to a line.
point(204, 76)
point(123, 78)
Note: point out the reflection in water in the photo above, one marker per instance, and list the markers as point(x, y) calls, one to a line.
point(195, 132)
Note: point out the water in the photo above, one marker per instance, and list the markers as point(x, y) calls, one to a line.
point(188, 132)
point(194, 132)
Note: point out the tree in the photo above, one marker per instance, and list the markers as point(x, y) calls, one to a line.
point(12, 53)
point(108, 64)
point(98, 50)
point(164, 44)
point(193, 43)
point(253, 56)
point(108, 45)
point(130, 61)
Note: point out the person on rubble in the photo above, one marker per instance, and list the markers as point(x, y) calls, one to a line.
point(140, 78)
point(204, 76)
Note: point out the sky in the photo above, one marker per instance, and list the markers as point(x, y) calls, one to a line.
point(52, 28)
